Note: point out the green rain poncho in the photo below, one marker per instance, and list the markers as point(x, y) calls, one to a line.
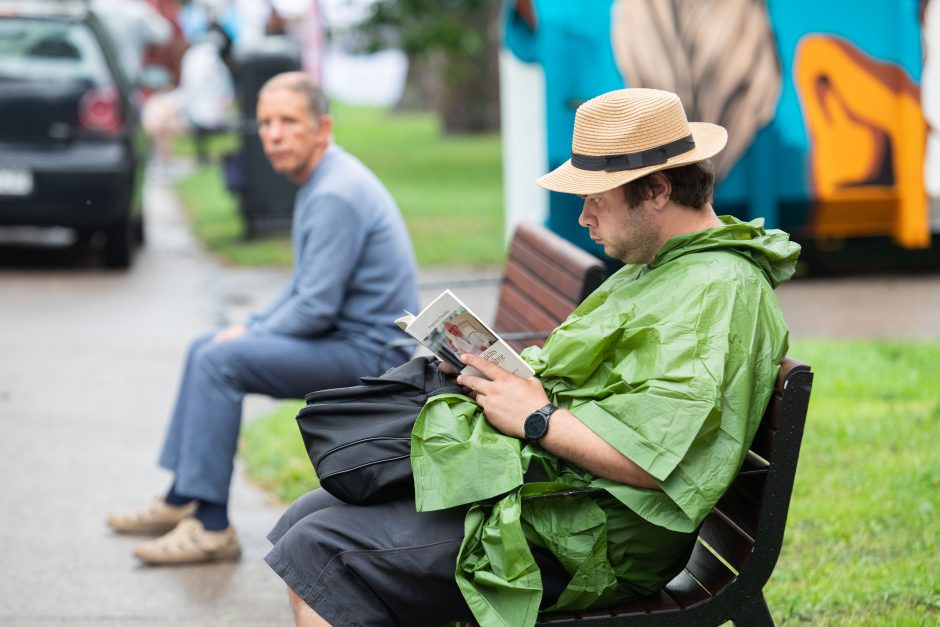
point(673, 364)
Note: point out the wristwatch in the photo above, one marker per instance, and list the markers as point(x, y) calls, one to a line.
point(536, 423)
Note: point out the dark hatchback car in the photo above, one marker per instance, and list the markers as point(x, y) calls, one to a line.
point(71, 153)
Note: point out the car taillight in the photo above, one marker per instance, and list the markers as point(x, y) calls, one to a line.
point(100, 110)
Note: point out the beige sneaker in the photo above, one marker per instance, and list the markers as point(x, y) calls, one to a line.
point(155, 518)
point(189, 542)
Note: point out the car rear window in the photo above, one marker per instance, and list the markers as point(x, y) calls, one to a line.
point(50, 50)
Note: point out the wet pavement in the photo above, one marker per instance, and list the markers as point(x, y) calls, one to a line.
point(89, 361)
point(890, 307)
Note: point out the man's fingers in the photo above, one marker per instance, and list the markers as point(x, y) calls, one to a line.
point(476, 384)
point(491, 370)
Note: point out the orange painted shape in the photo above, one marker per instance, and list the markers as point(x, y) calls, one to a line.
point(863, 118)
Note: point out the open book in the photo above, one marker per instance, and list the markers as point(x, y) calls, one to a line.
point(449, 329)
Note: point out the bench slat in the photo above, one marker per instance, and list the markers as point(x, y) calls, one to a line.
point(564, 253)
point(660, 602)
point(727, 540)
point(541, 291)
point(763, 443)
point(685, 591)
point(742, 502)
point(772, 413)
point(566, 280)
point(509, 322)
point(708, 570)
point(518, 302)
point(634, 607)
point(637, 606)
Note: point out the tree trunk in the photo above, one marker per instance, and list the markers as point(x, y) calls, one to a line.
point(423, 84)
point(470, 99)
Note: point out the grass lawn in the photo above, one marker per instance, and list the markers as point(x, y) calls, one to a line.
point(448, 188)
point(862, 536)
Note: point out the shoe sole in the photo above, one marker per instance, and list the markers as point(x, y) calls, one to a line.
point(153, 530)
point(221, 556)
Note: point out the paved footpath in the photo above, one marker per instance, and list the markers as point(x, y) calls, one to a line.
point(89, 362)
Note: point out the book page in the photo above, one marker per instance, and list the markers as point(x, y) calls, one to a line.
point(449, 329)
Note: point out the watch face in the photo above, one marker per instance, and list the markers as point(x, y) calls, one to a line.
point(535, 426)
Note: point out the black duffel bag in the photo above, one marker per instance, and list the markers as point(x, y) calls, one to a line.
point(359, 438)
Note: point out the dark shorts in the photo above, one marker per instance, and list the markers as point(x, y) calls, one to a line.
point(380, 564)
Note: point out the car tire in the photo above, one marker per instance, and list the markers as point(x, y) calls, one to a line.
point(140, 232)
point(118, 245)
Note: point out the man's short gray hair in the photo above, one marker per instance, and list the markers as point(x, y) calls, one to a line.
point(303, 84)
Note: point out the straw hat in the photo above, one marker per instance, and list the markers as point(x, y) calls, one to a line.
point(623, 135)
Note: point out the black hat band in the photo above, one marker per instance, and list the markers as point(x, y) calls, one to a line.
point(633, 160)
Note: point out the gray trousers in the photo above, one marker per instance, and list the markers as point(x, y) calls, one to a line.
point(384, 564)
point(200, 443)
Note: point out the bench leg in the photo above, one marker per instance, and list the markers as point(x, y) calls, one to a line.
point(754, 613)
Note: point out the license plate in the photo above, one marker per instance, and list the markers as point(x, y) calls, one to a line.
point(15, 182)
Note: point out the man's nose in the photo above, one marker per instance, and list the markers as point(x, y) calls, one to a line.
point(583, 216)
point(273, 130)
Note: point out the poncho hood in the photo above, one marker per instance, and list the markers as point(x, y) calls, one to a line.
point(770, 250)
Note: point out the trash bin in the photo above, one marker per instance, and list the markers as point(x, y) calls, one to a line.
point(266, 197)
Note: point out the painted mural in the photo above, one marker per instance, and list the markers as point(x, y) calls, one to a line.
point(832, 107)
point(717, 55)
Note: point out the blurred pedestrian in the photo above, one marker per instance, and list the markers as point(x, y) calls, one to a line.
point(133, 25)
point(204, 99)
point(162, 60)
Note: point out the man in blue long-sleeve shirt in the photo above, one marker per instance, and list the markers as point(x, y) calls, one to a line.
point(354, 273)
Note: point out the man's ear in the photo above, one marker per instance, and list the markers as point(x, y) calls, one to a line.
point(660, 190)
point(325, 125)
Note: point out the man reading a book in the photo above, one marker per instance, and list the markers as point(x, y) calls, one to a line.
point(354, 272)
point(650, 393)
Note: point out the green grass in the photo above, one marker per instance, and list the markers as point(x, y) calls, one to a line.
point(213, 213)
point(274, 454)
point(862, 536)
point(448, 188)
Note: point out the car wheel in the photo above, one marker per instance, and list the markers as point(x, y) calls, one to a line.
point(140, 233)
point(84, 237)
point(118, 245)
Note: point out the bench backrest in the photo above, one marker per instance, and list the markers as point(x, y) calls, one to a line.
point(740, 540)
point(544, 279)
point(746, 527)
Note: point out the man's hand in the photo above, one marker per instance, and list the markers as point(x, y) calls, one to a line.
point(447, 369)
point(231, 333)
point(506, 399)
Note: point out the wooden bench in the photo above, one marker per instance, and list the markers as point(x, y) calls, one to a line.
point(545, 277)
point(740, 540)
